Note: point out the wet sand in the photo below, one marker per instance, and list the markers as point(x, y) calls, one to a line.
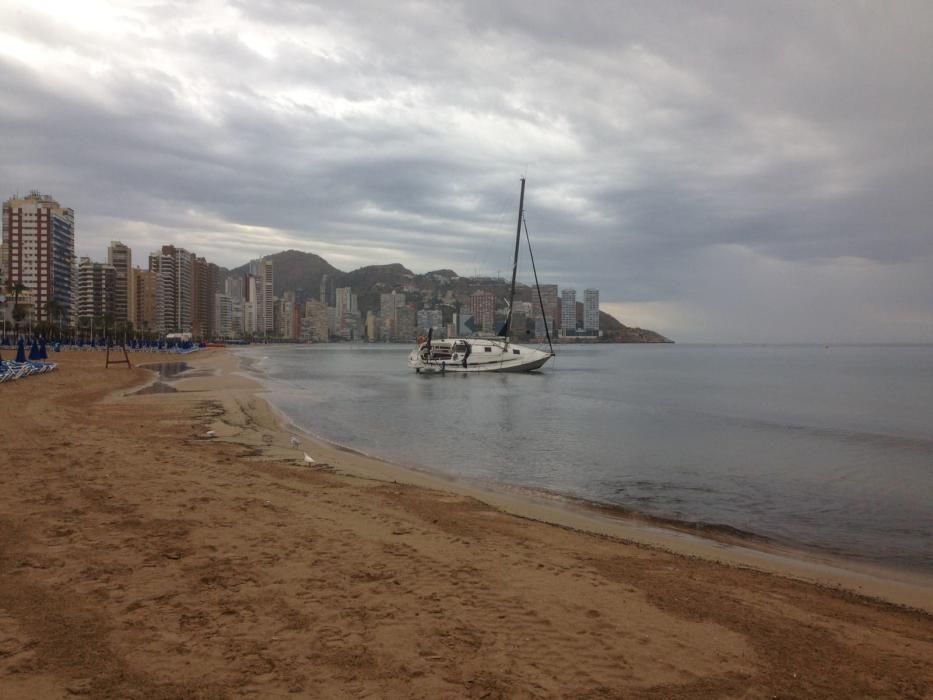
point(142, 557)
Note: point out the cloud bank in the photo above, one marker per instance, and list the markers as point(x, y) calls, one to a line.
point(720, 171)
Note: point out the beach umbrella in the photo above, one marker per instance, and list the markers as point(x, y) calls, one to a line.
point(20, 350)
point(43, 355)
point(34, 350)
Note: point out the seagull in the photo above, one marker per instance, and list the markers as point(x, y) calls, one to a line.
point(308, 459)
point(210, 433)
point(295, 442)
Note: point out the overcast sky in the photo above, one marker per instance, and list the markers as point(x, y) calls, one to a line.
point(738, 171)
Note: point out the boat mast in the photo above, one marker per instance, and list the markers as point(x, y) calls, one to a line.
point(518, 237)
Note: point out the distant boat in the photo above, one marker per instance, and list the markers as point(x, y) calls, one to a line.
point(485, 354)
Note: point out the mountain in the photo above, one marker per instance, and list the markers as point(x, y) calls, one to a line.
point(295, 269)
point(371, 281)
point(617, 332)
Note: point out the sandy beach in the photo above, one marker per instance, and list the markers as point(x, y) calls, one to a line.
point(141, 557)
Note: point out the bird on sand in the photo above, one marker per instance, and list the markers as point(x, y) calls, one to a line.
point(308, 459)
point(210, 433)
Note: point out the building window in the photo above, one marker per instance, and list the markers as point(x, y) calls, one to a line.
point(488, 349)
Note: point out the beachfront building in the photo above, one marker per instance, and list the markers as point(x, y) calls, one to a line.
point(346, 302)
point(120, 257)
point(591, 311)
point(551, 311)
point(328, 293)
point(430, 318)
point(175, 269)
point(389, 304)
point(568, 312)
point(372, 326)
point(483, 309)
point(404, 324)
point(314, 325)
point(96, 291)
point(237, 313)
point(283, 315)
point(223, 316)
point(264, 300)
point(146, 300)
point(204, 285)
point(249, 304)
point(39, 251)
point(287, 317)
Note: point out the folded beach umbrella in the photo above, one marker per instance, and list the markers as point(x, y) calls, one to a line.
point(34, 350)
point(20, 350)
point(43, 355)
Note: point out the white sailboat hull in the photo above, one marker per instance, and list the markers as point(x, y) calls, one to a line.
point(473, 355)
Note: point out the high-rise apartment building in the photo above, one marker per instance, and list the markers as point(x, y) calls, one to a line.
point(96, 291)
point(430, 318)
point(328, 293)
point(204, 285)
point(314, 325)
point(174, 302)
point(389, 304)
point(345, 302)
point(568, 312)
point(249, 303)
point(591, 311)
point(264, 303)
point(223, 316)
point(163, 268)
point(146, 291)
point(120, 257)
point(483, 308)
point(551, 310)
point(405, 324)
point(234, 287)
point(372, 326)
point(39, 247)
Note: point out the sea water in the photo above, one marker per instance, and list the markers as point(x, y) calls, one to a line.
point(824, 447)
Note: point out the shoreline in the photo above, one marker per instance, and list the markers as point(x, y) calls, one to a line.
point(715, 542)
point(176, 545)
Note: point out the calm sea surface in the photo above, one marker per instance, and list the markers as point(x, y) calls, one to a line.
point(825, 447)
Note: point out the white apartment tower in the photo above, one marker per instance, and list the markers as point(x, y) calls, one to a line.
point(39, 250)
point(96, 290)
point(175, 289)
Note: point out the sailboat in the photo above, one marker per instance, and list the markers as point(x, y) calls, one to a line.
point(497, 354)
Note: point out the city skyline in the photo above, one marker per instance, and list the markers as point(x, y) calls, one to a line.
point(181, 292)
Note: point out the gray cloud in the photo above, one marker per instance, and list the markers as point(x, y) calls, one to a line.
point(708, 167)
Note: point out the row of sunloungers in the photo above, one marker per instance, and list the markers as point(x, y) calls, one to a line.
point(131, 347)
point(10, 371)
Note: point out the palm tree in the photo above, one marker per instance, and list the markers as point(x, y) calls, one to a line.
point(19, 313)
point(54, 309)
